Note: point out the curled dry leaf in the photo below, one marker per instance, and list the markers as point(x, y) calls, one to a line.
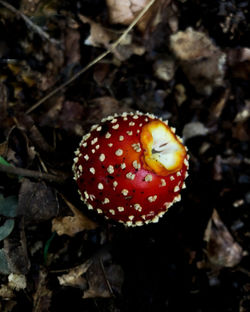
point(99, 36)
point(202, 62)
point(75, 276)
point(124, 12)
point(71, 225)
point(222, 250)
point(193, 129)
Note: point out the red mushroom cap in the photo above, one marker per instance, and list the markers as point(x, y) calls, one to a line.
point(131, 168)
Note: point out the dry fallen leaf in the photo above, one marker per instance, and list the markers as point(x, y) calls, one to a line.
point(222, 250)
point(37, 202)
point(71, 225)
point(103, 277)
point(99, 36)
point(42, 296)
point(124, 12)
point(202, 62)
point(75, 276)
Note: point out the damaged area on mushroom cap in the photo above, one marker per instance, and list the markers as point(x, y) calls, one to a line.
point(115, 175)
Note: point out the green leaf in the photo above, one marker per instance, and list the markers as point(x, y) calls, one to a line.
point(8, 206)
point(6, 228)
point(3, 161)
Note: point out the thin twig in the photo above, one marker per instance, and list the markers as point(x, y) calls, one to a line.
point(33, 26)
point(96, 60)
point(32, 174)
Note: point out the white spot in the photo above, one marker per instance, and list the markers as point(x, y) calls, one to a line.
point(110, 169)
point(138, 207)
point(130, 176)
point(80, 168)
point(171, 178)
point(129, 223)
point(140, 125)
point(136, 165)
point(136, 147)
point(93, 151)
point(184, 185)
point(97, 147)
point(86, 195)
point(94, 141)
point(92, 170)
point(100, 186)
point(124, 192)
point(124, 114)
point(177, 198)
point(92, 197)
point(107, 135)
point(138, 131)
point(119, 152)
point(130, 133)
point(185, 162)
point(186, 174)
point(148, 178)
point(152, 198)
point(163, 182)
point(86, 157)
point(155, 219)
point(135, 117)
point(93, 127)
point(125, 118)
point(112, 211)
point(75, 159)
point(102, 157)
point(85, 144)
point(177, 188)
point(121, 138)
point(131, 217)
point(167, 205)
point(110, 144)
point(115, 127)
point(131, 124)
point(99, 210)
point(99, 128)
point(178, 173)
point(90, 207)
point(105, 201)
point(85, 137)
point(123, 166)
point(121, 209)
point(115, 183)
point(139, 223)
point(114, 120)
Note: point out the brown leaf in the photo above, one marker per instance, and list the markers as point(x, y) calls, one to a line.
point(71, 225)
point(15, 250)
point(202, 62)
point(222, 250)
point(37, 202)
point(124, 12)
point(75, 276)
point(103, 278)
point(99, 36)
point(42, 296)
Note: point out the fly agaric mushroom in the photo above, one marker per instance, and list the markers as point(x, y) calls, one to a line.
point(131, 167)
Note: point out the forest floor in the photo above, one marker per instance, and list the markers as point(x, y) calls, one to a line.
point(187, 61)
